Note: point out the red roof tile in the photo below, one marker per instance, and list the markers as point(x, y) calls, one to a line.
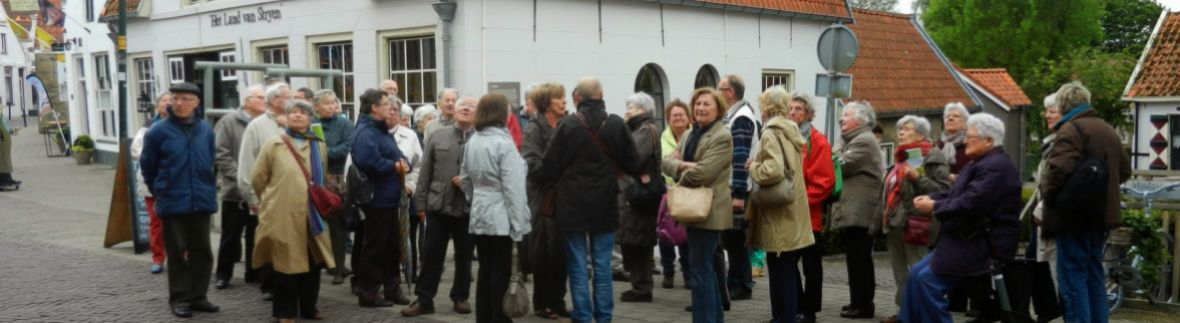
point(897, 70)
point(1159, 72)
point(998, 82)
point(833, 8)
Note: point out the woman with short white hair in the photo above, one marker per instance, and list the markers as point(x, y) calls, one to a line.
point(422, 118)
point(856, 215)
point(637, 221)
point(954, 115)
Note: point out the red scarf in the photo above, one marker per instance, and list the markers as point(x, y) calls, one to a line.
point(893, 181)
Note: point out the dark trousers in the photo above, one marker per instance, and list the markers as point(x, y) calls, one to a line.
point(236, 221)
point(637, 260)
point(415, 241)
point(381, 252)
point(811, 286)
point(549, 275)
point(862, 283)
point(740, 278)
point(495, 270)
point(784, 280)
point(337, 233)
point(358, 248)
point(190, 258)
point(440, 230)
point(668, 259)
point(296, 293)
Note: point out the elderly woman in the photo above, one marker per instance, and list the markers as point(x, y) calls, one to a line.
point(292, 235)
point(954, 116)
point(546, 242)
point(704, 159)
point(493, 178)
point(155, 227)
point(422, 118)
point(855, 216)
point(677, 121)
point(1042, 246)
point(979, 223)
point(820, 177)
point(637, 219)
point(918, 169)
point(780, 230)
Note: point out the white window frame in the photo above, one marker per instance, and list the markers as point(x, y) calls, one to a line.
point(4, 43)
point(176, 69)
point(348, 98)
point(228, 57)
point(145, 77)
point(402, 72)
point(772, 77)
point(887, 153)
point(104, 97)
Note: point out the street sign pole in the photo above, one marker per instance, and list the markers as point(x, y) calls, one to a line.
point(837, 50)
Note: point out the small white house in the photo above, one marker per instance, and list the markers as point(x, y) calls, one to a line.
point(1154, 91)
point(15, 63)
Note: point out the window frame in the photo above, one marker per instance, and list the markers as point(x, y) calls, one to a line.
point(347, 82)
point(104, 95)
point(228, 57)
point(175, 69)
point(428, 74)
point(774, 74)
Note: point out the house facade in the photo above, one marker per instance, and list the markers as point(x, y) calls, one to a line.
point(1154, 94)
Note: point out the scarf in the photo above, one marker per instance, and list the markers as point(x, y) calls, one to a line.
point(314, 219)
point(694, 138)
point(805, 130)
point(1077, 110)
point(948, 145)
point(894, 181)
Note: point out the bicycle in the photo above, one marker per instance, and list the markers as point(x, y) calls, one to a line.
point(1124, 275)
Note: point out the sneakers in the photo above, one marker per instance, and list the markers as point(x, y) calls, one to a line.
point(157, 268)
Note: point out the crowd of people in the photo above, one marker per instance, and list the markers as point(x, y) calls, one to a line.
point(553, 194)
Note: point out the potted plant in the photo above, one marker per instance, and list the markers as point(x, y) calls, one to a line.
point(83, 149)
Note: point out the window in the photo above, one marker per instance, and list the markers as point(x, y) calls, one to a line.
point(338, 56)
point(106, 108)
point(771, 78)
point(706, 77)
point(8, 83)
point(83, 94)
point(412, 65)
point(228, 75)
point(887, 153)
point(651, 80)
point(89, 10)
point(145, 79)
point(273, 55)
point(176, 69)
point(4, 43)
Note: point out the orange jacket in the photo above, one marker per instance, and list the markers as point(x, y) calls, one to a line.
point(819, 176)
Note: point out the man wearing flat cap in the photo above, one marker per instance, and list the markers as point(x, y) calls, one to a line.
point(177, 165)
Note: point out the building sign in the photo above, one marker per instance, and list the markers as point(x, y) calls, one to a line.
point(239, 17)
point(24, 5)
point(510, 90)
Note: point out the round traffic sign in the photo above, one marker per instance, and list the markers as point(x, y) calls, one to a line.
point(837, 48)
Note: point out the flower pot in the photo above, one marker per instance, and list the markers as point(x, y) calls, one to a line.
point(83, 157)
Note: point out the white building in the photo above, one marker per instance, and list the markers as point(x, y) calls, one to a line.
point(15, 62)
point(1154, 91)
point(91, 85)
point(664, 47)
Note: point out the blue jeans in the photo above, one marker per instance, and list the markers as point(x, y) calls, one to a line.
point(706, 298)
point(925, 299)
point(599, 249)
point(1080, 277)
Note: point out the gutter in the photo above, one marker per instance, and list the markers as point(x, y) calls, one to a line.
point(762, 11)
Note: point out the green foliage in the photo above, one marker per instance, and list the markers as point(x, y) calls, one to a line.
point(878, 5)
point(83, 143)
point(1128, 24)
point(1148, 242)
point(1105, 74)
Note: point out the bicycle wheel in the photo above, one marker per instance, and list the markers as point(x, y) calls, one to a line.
point(1112, 257)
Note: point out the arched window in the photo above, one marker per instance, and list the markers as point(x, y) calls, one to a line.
point(651, 80)
point(706, 77)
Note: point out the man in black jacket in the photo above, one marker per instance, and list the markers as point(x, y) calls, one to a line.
point(588, 153)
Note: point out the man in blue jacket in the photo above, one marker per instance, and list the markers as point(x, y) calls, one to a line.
point(177, 165)
point(375, 154)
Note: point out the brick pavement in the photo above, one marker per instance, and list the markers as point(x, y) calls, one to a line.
point(56, 270)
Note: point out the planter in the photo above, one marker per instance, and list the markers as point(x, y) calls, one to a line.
point(83, 157)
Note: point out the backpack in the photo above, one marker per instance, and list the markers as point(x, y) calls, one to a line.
point(1084, 192)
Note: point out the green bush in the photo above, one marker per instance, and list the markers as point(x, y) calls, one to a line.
point(83, 143)
point(1148, 242)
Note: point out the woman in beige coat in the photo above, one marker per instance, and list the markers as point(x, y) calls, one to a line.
point(704, 159)
point(291, 234)
point(780, 230)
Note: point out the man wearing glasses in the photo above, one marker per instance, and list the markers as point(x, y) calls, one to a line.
point(235, 215)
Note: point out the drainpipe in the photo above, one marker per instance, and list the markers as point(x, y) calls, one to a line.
point(446, 12)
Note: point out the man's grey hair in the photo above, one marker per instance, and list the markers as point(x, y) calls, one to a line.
point(407, 111)
point(956, 107)
point(444, 92)
point(588, 88)
point(276, 89)
point(321, 95)
point(473, 101)
point(808, 102)
point(987, 127)
point(423, 111)
point(641, 100)
point(300, 105)
point(1071, 95)
point(251, 89)
point(864, 112)
point(921, 125)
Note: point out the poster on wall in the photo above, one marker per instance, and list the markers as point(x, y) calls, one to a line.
point(47, 14)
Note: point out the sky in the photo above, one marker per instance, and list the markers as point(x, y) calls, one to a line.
point(904, 6)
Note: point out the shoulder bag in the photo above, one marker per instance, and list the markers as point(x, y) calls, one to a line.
point(778, 194)
point(326, 202)
point(516, 298)
point(1084, 191)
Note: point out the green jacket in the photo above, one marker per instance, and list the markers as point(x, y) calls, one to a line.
point(338, 136)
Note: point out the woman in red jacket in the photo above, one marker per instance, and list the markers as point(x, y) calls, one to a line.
point(820, 178)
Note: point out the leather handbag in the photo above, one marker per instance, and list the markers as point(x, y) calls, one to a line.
point(779, 194)
point(326, 202)
point(516, 298)
point(690, 204)
point(917, 230)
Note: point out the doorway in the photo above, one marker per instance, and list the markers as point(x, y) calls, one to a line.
point(651, 80)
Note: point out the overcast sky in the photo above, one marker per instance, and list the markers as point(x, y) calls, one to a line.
point(904, 6)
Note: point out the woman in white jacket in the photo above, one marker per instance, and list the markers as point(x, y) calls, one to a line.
point(155, 228)
point(493, 178)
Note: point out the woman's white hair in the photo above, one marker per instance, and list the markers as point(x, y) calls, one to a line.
point(864, 112)
point(987, 126)
point(641, 100)
point(921, 125)
point(407, 111)
point(300, 105)
point(276, 89)
point(423, 111)
point(958, 107)
point(1051, 102)
point(808, 102)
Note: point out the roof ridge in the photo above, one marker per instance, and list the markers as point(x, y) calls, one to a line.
point(879, 13)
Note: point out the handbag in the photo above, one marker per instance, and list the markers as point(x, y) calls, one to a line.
point(778, 194)
point(690, 204)
point(917, 230)
point(326, 202)
point(516, 298)
point(667, 229)
point(648, 195)
point(548, 202)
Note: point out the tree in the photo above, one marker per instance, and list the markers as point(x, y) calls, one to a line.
point(919, 6)
point(878, 5)
point(1128, 24)
point(1104, 73)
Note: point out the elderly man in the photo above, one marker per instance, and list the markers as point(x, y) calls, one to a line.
point(745, 125)
point(389, 87)
point(337, 132)
point(377, 157)
point(262, 128)
point(445, 210)
point(235, 215)
point(1082, 202)
point(979, 223)
point(857, 215)
point(585, 166)
point(446, 109)
point(177, 165)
